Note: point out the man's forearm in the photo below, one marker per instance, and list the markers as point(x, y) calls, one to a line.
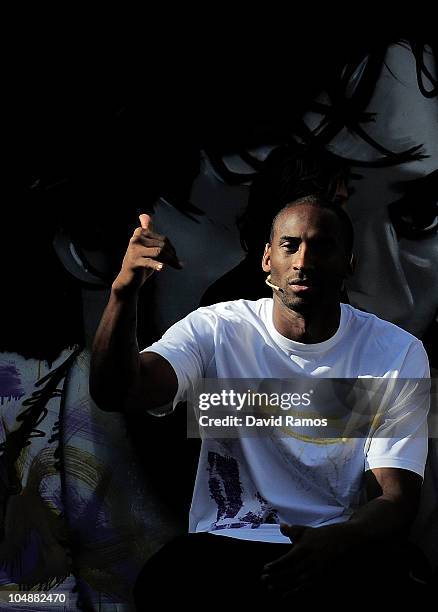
point(115, 355)
point(394, 496)
point(317, 551)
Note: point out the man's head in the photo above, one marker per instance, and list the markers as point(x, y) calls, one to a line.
point(310, 253)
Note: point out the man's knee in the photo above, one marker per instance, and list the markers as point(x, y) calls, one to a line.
point(167, 571)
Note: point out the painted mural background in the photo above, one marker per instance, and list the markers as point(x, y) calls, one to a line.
point(86, 497)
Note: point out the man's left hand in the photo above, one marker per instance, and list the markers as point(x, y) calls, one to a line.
point(315, 551)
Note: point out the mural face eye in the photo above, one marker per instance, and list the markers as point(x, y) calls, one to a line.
point(414, 220)
point(415, 215)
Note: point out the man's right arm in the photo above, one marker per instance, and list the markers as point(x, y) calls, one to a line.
point(121, 378)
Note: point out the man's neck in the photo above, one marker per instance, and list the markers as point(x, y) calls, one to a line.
point(310, 326)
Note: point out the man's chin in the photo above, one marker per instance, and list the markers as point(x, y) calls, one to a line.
point(298, 303)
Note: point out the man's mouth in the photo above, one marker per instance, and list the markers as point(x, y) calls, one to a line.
point(299, 285)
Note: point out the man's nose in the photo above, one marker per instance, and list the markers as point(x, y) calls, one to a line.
point(303, 258)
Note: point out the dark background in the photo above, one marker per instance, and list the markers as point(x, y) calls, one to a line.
point(104, 119)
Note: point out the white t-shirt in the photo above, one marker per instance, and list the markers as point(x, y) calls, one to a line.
point(245, 487)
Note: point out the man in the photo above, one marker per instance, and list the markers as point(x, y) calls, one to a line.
point(253, 497)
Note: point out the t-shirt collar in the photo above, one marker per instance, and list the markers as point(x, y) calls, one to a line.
point(301, 347)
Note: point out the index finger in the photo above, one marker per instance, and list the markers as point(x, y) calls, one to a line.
point(145, 221)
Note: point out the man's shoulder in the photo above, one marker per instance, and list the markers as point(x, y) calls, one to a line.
point(382, 330)
point(239, 309)
point(210, 317)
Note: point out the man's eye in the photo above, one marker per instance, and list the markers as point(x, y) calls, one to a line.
point(290, 246)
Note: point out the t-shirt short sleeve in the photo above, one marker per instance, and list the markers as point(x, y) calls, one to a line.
point(188, 346)
point(401, 437)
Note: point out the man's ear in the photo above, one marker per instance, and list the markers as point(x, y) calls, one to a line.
point(266, 260)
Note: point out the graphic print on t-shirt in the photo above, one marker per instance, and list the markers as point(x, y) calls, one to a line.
point(226, 490)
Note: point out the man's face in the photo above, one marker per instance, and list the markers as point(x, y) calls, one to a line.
point(307, 258)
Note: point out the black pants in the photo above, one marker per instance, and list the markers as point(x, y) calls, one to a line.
point(215, 571)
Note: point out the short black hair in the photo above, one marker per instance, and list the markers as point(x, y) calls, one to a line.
point(338, 211)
